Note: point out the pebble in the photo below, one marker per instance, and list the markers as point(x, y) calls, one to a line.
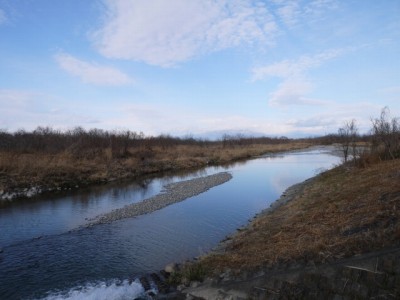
point(172, 193)
point(170, 268)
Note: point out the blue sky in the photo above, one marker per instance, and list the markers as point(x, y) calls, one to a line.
point(293, 68)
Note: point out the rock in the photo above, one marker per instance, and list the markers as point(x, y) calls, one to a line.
point(210, 292)
point(171, 268)
point(225, 276)
point(194, 284)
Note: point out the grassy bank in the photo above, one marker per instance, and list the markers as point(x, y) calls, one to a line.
point(20, 171)
point(342, 212)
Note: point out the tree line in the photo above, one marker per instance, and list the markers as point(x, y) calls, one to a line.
point(81, 142)
point(383, 138)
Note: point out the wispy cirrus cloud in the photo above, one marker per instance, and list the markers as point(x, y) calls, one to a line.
point(293, 92)
point(294, 68)
point(289, 12)
point(91, 72)
point(295, 86)
point(328, 120)
point(318, 7)
point(165, 33)
point(294, 12)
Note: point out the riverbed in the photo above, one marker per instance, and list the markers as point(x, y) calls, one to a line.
point(45, 254)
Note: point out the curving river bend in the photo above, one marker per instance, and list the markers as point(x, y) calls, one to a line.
point(44, 255)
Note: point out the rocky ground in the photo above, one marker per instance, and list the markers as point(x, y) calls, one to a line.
point(372, 276)
point(172, 193)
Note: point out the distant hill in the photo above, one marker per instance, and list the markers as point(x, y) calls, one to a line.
point(218, 134)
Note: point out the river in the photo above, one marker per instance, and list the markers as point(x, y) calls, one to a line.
point(45, 253)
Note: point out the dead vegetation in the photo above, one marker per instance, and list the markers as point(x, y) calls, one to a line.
point(351, 209)
point(343, 212)
point(53, 159)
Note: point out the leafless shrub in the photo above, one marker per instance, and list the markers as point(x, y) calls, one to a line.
point(79, 143)
point(348, 138)
point(386, 134)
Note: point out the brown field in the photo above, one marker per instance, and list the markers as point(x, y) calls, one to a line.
point(68, 169)
point(343, 212)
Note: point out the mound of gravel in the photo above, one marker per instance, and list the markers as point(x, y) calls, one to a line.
point(172, 193)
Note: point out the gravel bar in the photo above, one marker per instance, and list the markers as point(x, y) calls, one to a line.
point(171, 193)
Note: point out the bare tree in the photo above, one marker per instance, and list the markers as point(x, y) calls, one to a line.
point(353, 139)
point(386, 132)
point(348, 137)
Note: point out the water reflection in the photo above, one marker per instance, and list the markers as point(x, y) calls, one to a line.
point(62, 259)
point(44, 215)
point(31, 218)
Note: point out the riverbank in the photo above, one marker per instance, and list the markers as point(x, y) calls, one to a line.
point(27, 175)
point(336, 235)
point(141, 245)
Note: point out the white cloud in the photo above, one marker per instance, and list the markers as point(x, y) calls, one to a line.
point(289, 12)
point(92, 73)
point(293, 68)
point(294, 12)
point(156, 119)
point(165, 33)
point(333, 115)
point(317, 7)
point(295, 87)
point(3, 17)
point(28, 109)
point(24, 109)
point(315, 122)
point(290, 92)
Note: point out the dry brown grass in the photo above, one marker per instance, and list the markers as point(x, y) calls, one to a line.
point(70, 169)
point(342, 212)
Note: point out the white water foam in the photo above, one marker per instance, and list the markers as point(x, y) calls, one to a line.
point(113, 290)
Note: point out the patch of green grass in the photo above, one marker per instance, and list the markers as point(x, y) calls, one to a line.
point(189, 272)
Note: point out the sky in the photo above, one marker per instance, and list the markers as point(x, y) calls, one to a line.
point(198, 67)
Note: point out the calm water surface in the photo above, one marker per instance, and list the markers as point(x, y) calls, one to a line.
point(45, 256)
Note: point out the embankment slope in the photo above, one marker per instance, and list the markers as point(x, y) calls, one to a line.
point(338, 236)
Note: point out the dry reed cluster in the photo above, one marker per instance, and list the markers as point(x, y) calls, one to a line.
point(342, 212)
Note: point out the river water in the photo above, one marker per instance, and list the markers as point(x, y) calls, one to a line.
point(45, 254)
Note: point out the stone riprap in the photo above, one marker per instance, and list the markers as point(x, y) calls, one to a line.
point(171, 193)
